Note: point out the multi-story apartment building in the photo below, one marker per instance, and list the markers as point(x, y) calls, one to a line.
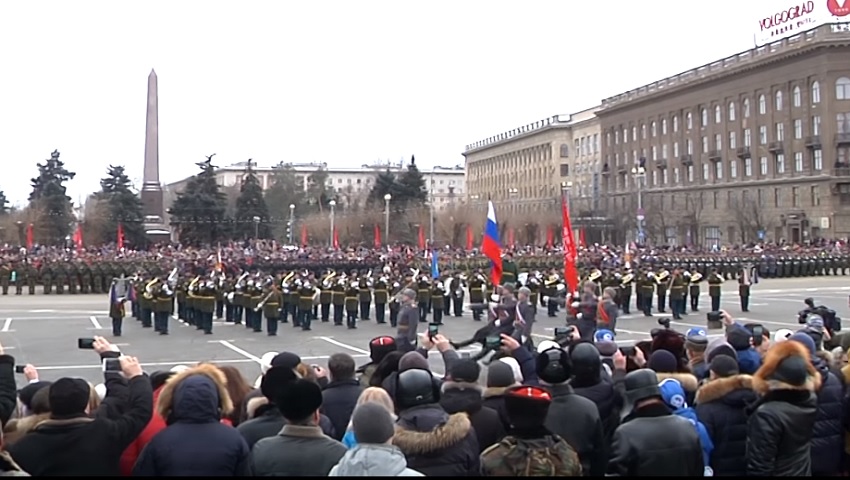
point(753, 146)
point(446, 185)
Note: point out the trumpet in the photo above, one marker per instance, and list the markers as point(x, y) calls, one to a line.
point(172, 277)
point(264, 301)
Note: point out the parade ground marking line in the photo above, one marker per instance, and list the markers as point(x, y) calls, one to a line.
point(7, 325)
point(344, 345)
point(238, 350)
point(95, 323)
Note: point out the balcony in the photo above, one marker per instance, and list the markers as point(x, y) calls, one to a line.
point(743, 152)
point(687, 159)
point(841, 171)
point(715, 155)
point(606, 170)
point(842, 139)
point(661, 163)
point(622, 169)
point(776, 147)
point(813, 142)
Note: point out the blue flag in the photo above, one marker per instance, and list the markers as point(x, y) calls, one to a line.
point(435, 267)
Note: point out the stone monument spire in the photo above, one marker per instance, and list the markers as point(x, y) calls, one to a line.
point(151, 195)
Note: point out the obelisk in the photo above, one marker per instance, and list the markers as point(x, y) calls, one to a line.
point(151, 189)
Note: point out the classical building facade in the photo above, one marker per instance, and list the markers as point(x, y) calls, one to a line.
point(756, 145)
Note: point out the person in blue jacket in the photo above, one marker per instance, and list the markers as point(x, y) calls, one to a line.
point(674, 397)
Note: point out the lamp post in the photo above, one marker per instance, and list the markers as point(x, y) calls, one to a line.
point(291, 221)
point(387, 199)
point(256, 227)
point(513, 193)
point(639, 174)
point(21, 239)
point(332, 204)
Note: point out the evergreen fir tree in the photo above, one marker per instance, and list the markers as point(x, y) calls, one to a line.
point(199, 212)
point(413, 192)
point(285, 190)
point(123, 206)
point(250, 205)
point(49, 199)
point(318, 193)
point(385, 182)
point(4, 203)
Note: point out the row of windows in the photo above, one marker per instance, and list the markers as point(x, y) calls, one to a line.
point(687, 174)
point(743, 199)
point(842, 92)
point(842, 126)
point(587, 145)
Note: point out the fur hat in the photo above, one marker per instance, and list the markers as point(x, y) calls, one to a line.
point(527, 407)
point(670, 340)
point(165, 404)
point(68, 397)
point(786, 366)
point(554, 366)
point(27, 393)
point(379, 347)
point(298, 399)
point(274, 380)
point(465, 371)
point(286, 359)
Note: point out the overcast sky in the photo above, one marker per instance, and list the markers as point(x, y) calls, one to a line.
point(342, 82)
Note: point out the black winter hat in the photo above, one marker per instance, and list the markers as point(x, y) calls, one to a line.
point(500, 374)
point(554, 366)
point(27, 393)
point(274, 380)
point(416, 387)
point(379, 347)
point(286, 359)
point(68, 397)
point(465, 371)
point(298, 399)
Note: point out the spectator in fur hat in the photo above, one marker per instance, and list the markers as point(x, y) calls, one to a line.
point(779, 431)
point(379, 347)
point(195, 442)
point(673, 342)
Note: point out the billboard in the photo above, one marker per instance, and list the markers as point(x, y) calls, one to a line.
point(794, 17)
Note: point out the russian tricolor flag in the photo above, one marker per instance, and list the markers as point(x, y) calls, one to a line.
point(490, 245)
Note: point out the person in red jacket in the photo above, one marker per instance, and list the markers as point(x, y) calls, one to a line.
point(156, 424)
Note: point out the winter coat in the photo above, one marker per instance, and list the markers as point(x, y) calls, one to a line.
point(721, 406)
point(828, 435)
point(457, 397)
point(494, 397)
point(779, 429)
point(437, 444)
point(268, 422)
point(84, 446)
point(608, 401)
point(705, 442)
point(8, 388)
point(652, 442)
point(154, 426)
point(373, 461)
point(576, 420)
point(8, 467)
point(338, 401)
point(297, 451)
point(195, 442)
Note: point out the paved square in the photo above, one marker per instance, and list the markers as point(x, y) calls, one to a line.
point(43, 330)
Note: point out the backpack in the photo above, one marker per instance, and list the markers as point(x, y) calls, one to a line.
point(550, 456)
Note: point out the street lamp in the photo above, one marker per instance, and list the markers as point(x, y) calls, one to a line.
point(21, 239)
point(291, 221)
point(256, 227)
point(640, 176)
point(387, 199)
point(332, 204)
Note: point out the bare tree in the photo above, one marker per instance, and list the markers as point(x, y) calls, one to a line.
point(658, 220)
point(749, 218)
point(692, 217)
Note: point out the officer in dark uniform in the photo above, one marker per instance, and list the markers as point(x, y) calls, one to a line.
point(715, 285)
point(476, 293)
point(456, 294)
point(625, 296)
point(693, 290)
point(352, 295)
point(20, 278)
point(646, 284)
point(677, 294)
point(437, 301)
point(116, 311)
point(423, 297)
point(381, 298)
point(365, 297)
point(338, 300)
point(163, 303)
point(305, 305)
point(271, 309)
point(205, 305)
point(745, 281)
point(395, 305)
point(510, 272)
point(326, 297)
point(662, 279)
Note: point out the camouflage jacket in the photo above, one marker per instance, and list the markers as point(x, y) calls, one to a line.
point(548, 456)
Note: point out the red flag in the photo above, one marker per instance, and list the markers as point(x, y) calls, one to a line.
point(78, 237)
point(336, 239)
point(550, 236)
point(303, 235)
point(570, 253)
point(511, 237)
point(377, 236)
point(470, 239)
point(581, 237)
point(30, 237)
point(421, 237)
point(120, 236)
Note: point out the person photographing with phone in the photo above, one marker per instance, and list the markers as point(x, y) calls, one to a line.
point(77, 442)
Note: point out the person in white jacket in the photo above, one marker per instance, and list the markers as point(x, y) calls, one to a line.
point(374, 455)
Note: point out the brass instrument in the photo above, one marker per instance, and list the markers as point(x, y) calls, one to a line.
point(696, 277)
point(264, 300)
point(284, 283)
point(661, 276)
point(149, 288)
point(626, 279)
point(594, 275)
point(326, 281)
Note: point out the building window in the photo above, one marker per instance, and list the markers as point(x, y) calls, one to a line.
point(843, 159)
point(780, 163)
point(762, 135)
point(655, 177)
point(654, 129)
point(842, 122)
point(762, 105)
point(798, 161)
point(675, 123)
point(654, 153)
point(705, 171)
point(746, 106)
point(777, 198)
point(718, 170)
point(815, 92)
point(676, 178)
point(689, 121)
point(795, 197)
point(748, 138)
point(718, 116)
point(664, 176)
point(664, 151)
point(595, 143)
point(763, 166)
point(671, 235)
point(704, 144)
point(690, 146)
point(733, 142)
point(817, 160)
point(815, 196)
point(565, 150)
point(798, 97)
point(748, 167)
point(625, 135)
point(798, 129)
point(634, 132)
point(760, 197)
point(675, 149)
point(816, 125)
point(733, 169)
point(731, 111)
point(663, 126)
point(718, 142)
point(780, 132)
point(690, 173)
point(714, 198)
point(842, 88)
point(703, 115)
point(565, 170)
point(711, 236)
point(778, 100)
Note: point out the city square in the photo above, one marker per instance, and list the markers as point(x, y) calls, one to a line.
point(43, 330)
